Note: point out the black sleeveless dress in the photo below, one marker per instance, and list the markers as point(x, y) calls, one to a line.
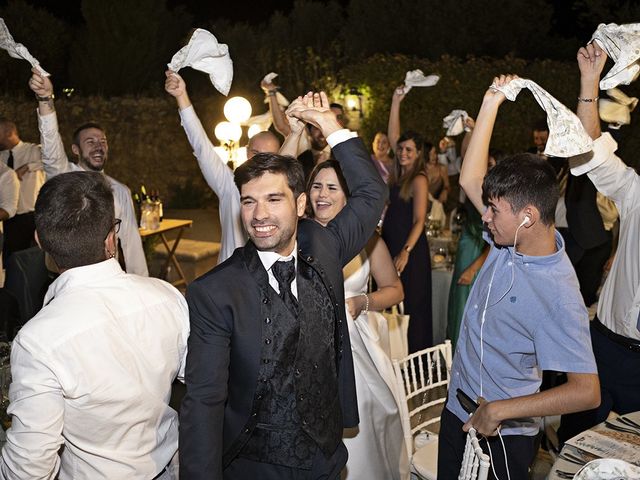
point(416, 277)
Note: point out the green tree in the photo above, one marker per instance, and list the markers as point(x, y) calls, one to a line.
point(46, 37)
point(124, 46)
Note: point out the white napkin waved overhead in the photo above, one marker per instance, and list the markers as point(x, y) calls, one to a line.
point(282, 101)
point(617, 109)
point(17, 50)
point(455, 123)
point(622, 44)
point(204, 53)
point(415, 78)
point(567, 136)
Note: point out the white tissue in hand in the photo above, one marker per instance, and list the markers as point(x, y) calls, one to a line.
point(17, 50)
point(415, 78)
point(204, 53)
point(455, 122)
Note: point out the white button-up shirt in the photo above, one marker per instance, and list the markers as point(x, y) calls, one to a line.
point(92, 371)
point(269, 258)
point(27, 154)
point(55, 162)
point(619, 303)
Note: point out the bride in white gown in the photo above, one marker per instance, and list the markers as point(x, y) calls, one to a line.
point(376, 447)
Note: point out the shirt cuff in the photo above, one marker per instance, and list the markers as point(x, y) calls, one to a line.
point(603, 147)
point(187, 114)
point(340, 136)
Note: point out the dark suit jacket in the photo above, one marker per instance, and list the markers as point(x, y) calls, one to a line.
point(226, 328)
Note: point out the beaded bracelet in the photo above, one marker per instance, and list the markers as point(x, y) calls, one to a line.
point(588, 100)
point(366, 305)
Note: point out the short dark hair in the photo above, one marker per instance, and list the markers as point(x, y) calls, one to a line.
point(331, 163)
point(86, 126)
point(524, 179)
point(262, 163)
point(9, 125)
point(74, 214)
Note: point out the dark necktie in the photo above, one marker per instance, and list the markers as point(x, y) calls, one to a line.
point(285, 272)
point(10, 159)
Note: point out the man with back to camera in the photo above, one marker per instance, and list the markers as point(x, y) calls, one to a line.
point(92, 371)
point(91, 148)
point(524, 313)
point(270, 382)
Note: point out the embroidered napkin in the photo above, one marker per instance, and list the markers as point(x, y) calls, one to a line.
point(567, 136)
point(204, 53)
point(616, 110)
point(17, 50)
point(282, 101)
point(622, 44)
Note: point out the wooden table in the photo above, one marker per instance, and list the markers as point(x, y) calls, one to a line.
point(168, 225)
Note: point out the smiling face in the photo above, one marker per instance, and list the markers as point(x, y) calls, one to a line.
point(326, 196)
point(381, 145)
point(92, 149)
point(270, 212)
point(407, 154)
point(502, 221)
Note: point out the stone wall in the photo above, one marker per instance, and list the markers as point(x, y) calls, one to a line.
point(147, 144)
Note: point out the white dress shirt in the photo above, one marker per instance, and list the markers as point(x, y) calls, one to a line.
point(9, 194)
point(619, 303)
point(219, 177)
point(27, 154)
point(269, 258)
point(92, 371)
point(55, 162)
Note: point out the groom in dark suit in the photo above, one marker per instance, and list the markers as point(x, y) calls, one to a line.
point(270, 381)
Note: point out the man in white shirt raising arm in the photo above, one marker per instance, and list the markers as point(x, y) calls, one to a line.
point(615, 331)
point(91, 148)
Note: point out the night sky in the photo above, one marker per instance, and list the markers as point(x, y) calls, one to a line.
point(203, 11)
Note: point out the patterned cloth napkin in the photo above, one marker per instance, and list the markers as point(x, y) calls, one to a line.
point(567, 136)
point(17, 50)
point(622, 44)
point(455, 122)
point(204, 53)
point(415, 78)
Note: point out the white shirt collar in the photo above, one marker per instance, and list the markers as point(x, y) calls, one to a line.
point(82, 276)
point(269, 258)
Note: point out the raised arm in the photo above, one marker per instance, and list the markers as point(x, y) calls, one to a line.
point(476, 159)
point(591, 60)
point(291, 144)
point(216, 173)
point(470, 123)
point(355, 224)
point(280, 121)
point(54, 158)
point(389, 291)
point(393, 130)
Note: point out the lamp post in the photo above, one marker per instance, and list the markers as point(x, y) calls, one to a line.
point(237, 110)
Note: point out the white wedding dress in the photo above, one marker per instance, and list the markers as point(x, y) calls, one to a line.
point(376, 447)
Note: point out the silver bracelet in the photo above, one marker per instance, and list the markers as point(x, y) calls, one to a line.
point(588, 100)
point(366, 305)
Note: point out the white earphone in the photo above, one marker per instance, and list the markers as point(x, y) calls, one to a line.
point(526, 220)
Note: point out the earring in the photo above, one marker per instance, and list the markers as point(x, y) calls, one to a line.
point(112, 254)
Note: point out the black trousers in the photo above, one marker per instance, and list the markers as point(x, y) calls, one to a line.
point(619, 373)
point(18, 234)
point(323, 468)
point(589, 264)
point(451, 442)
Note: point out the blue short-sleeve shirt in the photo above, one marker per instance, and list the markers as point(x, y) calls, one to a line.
point(535, 320)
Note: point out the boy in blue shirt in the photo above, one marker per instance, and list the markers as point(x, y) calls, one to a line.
point(524, 314)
